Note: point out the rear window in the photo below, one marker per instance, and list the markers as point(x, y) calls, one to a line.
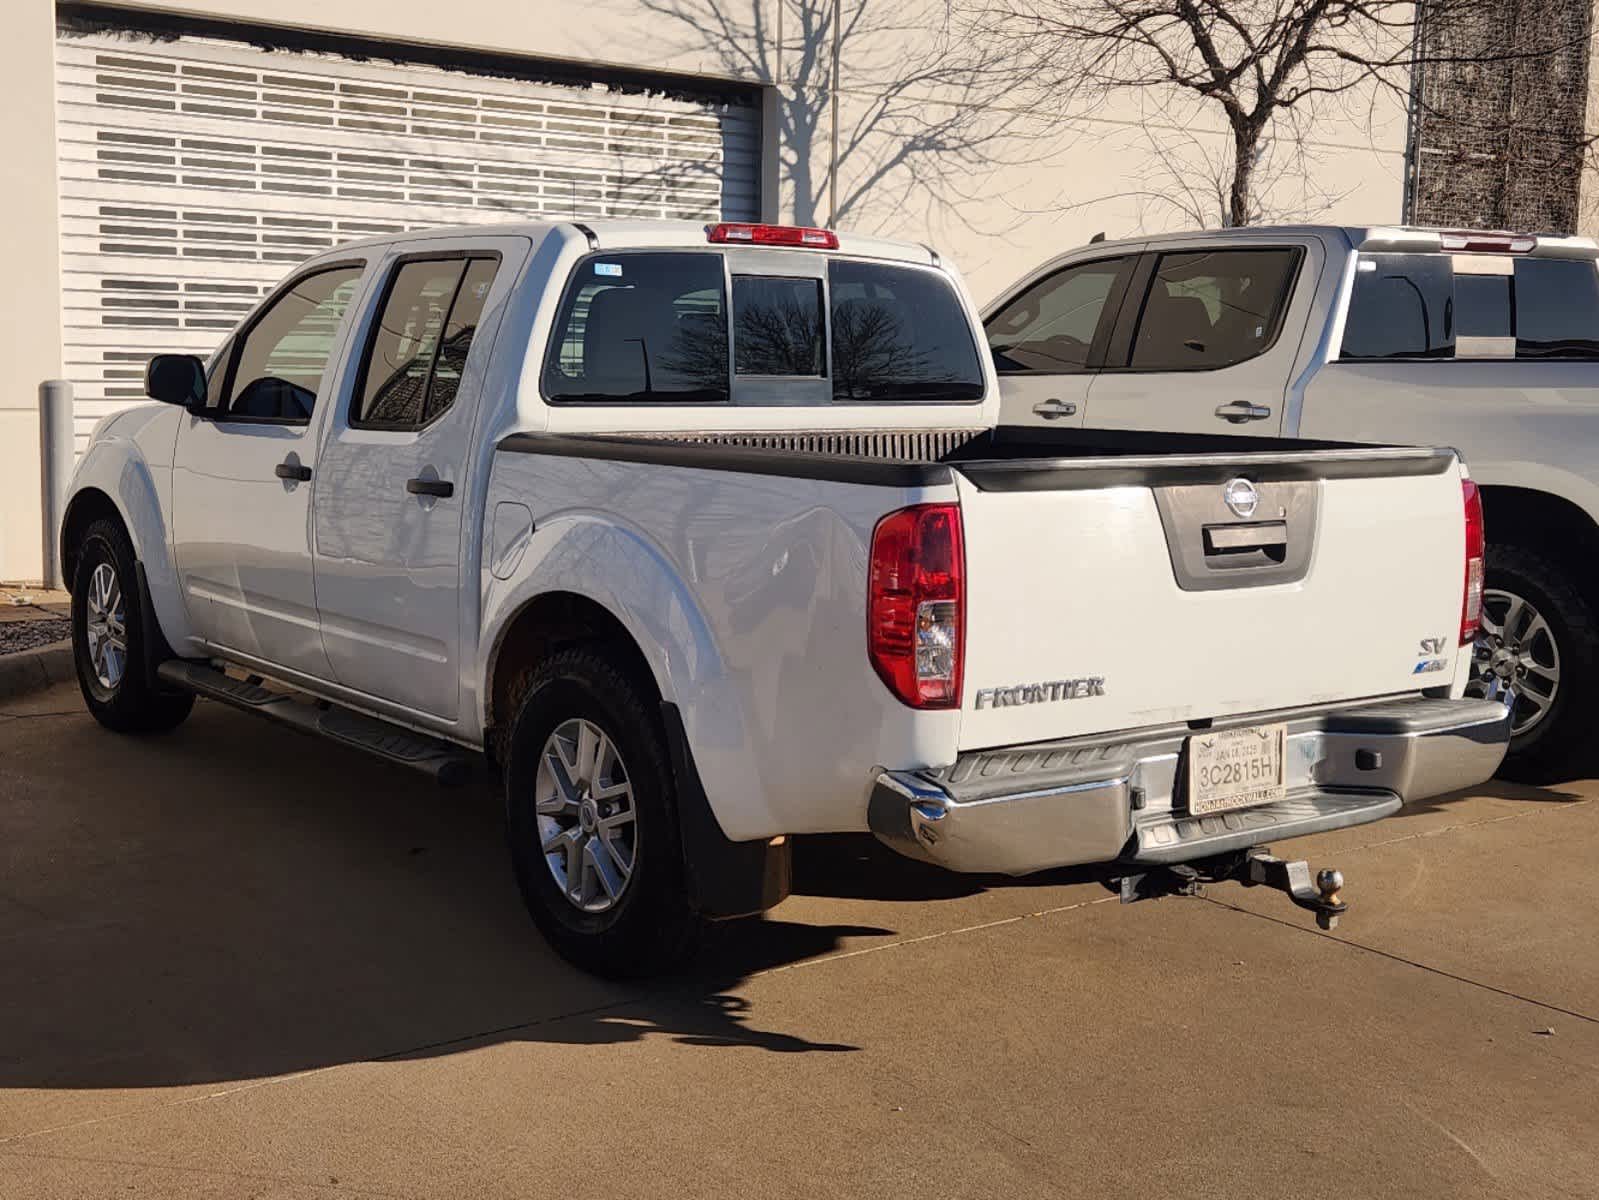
point(654, 327)
point(1418, 306)
point(899, 334)
point(642, 328)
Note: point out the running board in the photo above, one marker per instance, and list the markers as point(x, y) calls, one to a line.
point(449, 764)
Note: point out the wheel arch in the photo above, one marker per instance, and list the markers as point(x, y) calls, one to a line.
point(87, 506)
point(1552, 525)
point(542, 625)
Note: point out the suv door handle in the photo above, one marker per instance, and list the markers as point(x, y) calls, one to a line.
point(1053, 410)
point(1239, 411)
point(292, 470)
point(442, 488)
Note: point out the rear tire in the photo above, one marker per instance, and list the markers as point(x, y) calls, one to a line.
point(108, 647)
point(1539, 636)
point(591, 812)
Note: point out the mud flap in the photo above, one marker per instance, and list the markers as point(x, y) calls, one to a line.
point(725, 878)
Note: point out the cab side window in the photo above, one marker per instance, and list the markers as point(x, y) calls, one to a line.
point(1212, 308)
point(416, 352)
point(1050, 328)
point(278, 366)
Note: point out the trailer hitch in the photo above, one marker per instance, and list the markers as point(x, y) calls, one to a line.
point(1321, 897)
point(1256, 867)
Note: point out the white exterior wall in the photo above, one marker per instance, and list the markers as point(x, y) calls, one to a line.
point(997, 205)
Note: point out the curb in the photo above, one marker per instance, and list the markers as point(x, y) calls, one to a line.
point(32, 670)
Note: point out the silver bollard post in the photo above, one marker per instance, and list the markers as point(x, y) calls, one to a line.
point(57, 454)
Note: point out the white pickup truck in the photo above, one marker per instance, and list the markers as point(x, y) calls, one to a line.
point(707, 538)
point(1488, 342)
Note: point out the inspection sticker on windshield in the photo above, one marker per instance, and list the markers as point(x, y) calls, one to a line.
point(1236, 768)
point(608, 269)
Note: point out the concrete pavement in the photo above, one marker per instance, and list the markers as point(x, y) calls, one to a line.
point(238, 962)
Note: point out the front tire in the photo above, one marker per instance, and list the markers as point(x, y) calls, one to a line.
point(108, 647)
point(1540, 639)
point(591, 812)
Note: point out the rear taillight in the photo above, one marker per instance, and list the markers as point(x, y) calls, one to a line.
point(733, 233)
point(916, 604)
point(1471, 598)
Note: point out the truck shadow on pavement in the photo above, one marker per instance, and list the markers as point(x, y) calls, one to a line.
point(234, 901)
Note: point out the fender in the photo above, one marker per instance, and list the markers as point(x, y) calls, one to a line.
point(618, 568)
point(129, 461)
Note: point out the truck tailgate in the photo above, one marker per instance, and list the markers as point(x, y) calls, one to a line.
point(1108, 595)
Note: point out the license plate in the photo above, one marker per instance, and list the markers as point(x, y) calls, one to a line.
point(1236, 768)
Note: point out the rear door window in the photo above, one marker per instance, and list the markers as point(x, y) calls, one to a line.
point(418, 348)
point(1212, 308)
point(642, 328)
point(899, 334)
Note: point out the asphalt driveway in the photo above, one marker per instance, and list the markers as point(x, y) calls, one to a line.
point(238, 962)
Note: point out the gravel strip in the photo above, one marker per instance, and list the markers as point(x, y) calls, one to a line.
point(27, 635)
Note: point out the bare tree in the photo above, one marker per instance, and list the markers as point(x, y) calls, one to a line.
point(908, 120)
point(1258, 71)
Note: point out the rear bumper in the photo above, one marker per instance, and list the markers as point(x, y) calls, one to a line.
point(1029, 808)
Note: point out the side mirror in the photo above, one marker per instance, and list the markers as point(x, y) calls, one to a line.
point(175, 379)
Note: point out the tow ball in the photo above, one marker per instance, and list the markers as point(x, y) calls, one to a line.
point(1254, 868)
point(1320, 897)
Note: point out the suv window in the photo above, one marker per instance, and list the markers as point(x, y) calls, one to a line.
point(899, 334)
point(642, 327)
point(418, 347)
point(1212, 308)
point(1050, 327)
point(1410, 306)
point(279, 364)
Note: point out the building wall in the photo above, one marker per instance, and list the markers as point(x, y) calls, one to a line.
point(921, 156)
point(30, 332)
point(1499, 141)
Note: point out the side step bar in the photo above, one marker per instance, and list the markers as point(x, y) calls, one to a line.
point(449, 764)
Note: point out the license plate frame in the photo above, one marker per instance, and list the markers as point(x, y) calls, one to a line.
point(1242, 767)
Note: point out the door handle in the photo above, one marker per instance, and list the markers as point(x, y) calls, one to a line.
point(442, 488)
point(1054, 410)
point(292, 470)
point(1239, 411)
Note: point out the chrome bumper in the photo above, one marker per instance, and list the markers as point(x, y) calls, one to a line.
point(1029, 808)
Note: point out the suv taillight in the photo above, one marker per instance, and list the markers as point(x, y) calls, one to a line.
point(1471, 598)
point(916, 604)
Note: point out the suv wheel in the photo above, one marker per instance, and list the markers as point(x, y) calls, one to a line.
point(1537, 641)
point(108, 638)
point(592, 818)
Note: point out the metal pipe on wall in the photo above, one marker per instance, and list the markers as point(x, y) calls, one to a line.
point(57, 454)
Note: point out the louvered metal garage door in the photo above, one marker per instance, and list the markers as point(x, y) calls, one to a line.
point(194, 173)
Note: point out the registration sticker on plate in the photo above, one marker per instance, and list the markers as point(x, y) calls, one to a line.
point(1236, 768)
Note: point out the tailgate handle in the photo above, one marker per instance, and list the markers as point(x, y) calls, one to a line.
point(1259, 544)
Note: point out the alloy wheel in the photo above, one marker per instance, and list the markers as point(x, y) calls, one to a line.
point(1516, 652)
point(587, 824)
point(106, 629)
